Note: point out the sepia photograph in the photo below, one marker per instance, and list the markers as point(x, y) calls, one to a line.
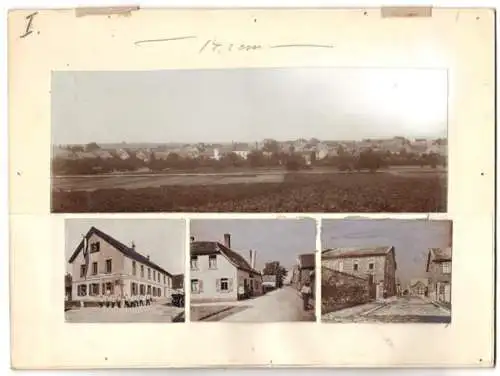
point(388, 271)
point(250, 140)
point(247, 270)
point(124, 270)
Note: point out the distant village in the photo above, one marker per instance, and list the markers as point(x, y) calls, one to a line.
point(261, 153)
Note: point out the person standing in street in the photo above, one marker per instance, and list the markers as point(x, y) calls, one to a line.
point(306, 293)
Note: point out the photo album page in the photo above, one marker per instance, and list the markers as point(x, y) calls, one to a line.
point(251, 187)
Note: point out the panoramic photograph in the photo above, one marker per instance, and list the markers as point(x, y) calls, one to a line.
point(388, 271)
point(246, 270)
point(250, 140)
point(124, 270)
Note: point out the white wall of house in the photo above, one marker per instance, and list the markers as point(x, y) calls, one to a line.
point(151, 276)
point(207, 275)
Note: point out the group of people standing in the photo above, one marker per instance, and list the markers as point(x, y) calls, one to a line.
point(125, 301)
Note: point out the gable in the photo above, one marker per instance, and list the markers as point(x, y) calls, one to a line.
point(119, 246)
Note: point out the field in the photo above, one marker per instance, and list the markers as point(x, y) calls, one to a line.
point(395, 190)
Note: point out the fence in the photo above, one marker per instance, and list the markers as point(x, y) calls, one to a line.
point(341, 290)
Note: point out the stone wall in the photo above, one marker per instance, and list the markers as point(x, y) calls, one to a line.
point(341, 290)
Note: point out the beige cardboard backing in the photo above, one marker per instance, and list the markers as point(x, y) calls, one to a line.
point(460, 40)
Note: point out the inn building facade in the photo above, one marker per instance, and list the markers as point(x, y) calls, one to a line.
point(103, 266)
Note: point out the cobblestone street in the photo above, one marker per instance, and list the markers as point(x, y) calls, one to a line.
point(154, 313)
point(400, 310)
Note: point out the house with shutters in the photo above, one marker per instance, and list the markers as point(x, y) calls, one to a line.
point(218, 273)
point(377, 264)
point(438, 268)
point(102, 265)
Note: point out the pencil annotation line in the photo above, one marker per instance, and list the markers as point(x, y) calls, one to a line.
point(163, 39)
point(302, 45)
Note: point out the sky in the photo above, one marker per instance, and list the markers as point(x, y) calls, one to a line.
point(247, 105)
point(163, 240)
point(280, 240)
point(411, 239)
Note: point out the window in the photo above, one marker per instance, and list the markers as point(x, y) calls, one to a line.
point(143, 290)
point(154, 275)
point(371, 265)
point(194, 262)
point(83, 270)
point(159, 277)
point(355, 266)
point(82, 290)
point(441, 288)
point(133, 288)
point(224, 284)
point(164, 279)
point(149, 273)
point(110, 288)
point(158, 292)
point(134, 268)
point(94, 268)
point(95, 247)
point(149, 289)
point(195, 286)
point(446, 267)
point(94, 289)
point(109, 266)
point(212, 262)
point(142, 271)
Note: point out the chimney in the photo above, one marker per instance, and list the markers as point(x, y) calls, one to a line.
point(133, 245)
point(192, 239)
point(252, 258)
point(147, 257)
point(227, 240)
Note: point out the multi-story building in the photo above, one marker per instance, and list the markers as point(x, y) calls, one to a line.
point(219, 273)
point(438, 267)
point(102, 265)
point(376, 263)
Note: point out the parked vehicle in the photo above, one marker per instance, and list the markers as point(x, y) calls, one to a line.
point(178, 300)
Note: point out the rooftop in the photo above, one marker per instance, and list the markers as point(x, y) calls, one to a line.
point(127, 251)
point(345, 252)
point(199, 248)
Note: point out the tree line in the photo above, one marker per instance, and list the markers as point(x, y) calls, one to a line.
point(367, 160)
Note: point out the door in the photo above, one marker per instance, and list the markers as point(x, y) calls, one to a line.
point(379, 291)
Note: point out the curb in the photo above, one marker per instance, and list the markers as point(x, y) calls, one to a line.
point(215, 313)
point(374, 309)
point(437, 305)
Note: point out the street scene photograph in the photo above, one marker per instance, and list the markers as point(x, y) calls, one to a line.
point(248, 270)
point(124, 270)
point(250, 140)
point(388, 271)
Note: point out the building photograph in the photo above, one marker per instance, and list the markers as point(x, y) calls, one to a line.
point(246, 270)
point(386, 270)
point(124, 270)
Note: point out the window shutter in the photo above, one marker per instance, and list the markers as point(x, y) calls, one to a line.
point(217, 285)
point(230, 284)
point(200, 285)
